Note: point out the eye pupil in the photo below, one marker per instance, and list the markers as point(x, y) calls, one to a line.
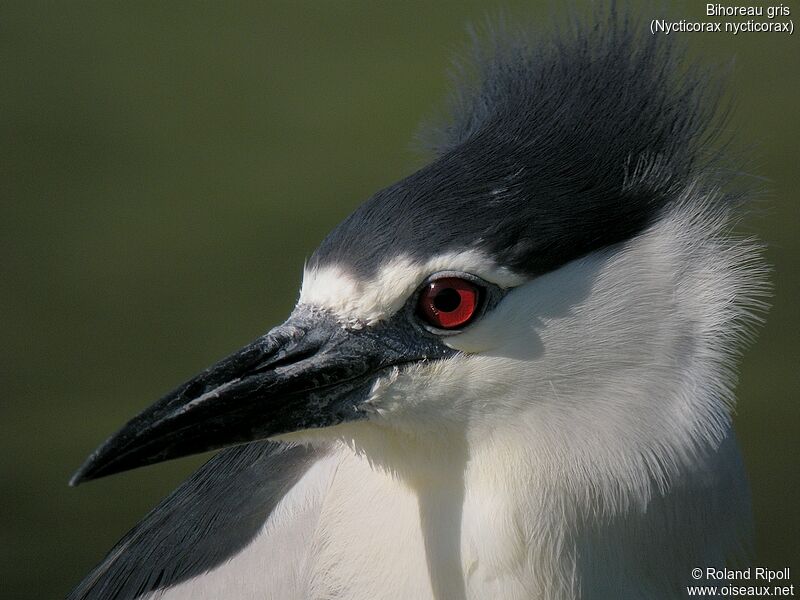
point(447, 300)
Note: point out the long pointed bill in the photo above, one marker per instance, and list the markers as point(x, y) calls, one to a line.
point(307, 373)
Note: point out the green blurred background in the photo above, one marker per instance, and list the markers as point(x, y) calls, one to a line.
point(166, 167)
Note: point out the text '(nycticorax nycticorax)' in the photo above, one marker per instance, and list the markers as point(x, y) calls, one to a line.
point(508, 375)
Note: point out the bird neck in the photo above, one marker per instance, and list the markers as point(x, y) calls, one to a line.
point(557, 538)
point(510, 519)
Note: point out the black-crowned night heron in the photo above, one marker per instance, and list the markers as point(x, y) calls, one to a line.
point(508, 375)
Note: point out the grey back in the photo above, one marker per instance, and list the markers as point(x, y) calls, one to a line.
point(207, 520)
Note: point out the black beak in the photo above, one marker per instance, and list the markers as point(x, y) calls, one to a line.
point(309, 372)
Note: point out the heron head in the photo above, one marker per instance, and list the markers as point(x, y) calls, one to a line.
point(559, 271)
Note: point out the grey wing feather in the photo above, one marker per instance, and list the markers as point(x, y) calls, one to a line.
point(207, 520)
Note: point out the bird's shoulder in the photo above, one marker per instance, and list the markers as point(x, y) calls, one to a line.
point(242, 498)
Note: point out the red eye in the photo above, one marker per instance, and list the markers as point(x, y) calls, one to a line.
point(449, 303)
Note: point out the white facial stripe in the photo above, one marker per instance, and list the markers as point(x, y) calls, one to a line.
point(357, 302)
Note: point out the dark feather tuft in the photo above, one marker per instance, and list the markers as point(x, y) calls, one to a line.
point(556, 145)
